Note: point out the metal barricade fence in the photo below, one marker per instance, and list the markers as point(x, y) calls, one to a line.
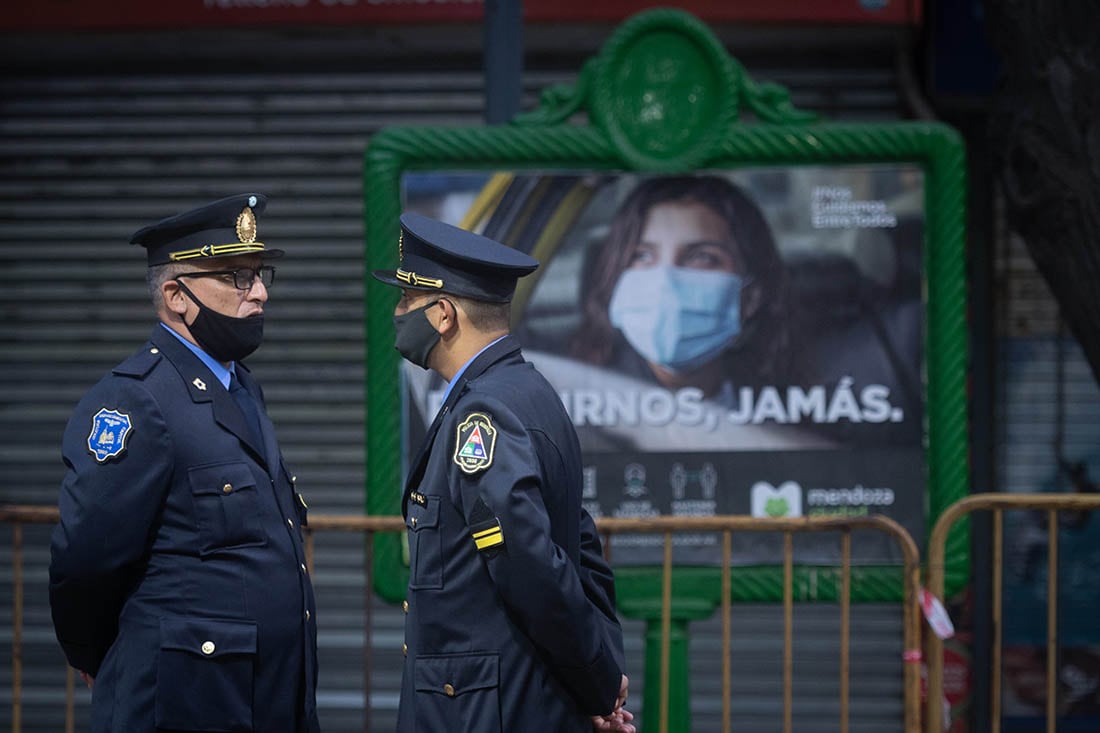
point(999, 504)
point(667, 526)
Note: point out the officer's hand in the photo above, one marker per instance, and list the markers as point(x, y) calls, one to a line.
point(616, 722)
point(88, 679)
point(619, 719)
point(624, 690)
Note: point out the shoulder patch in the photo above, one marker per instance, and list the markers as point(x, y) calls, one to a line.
point(475, 442)
point(110, 429)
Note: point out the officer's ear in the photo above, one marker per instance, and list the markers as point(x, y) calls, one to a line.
point(448, 317)
point(174, 298)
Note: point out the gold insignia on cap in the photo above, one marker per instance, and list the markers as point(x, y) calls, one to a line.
point(246, 225)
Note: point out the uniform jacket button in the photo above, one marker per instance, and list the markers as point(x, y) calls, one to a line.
point(405, 650)
point(449, 689)
point(208, 648)
point(307, 614)
point(405, 605)
point(414, 521)
point(227, 488)
point(290, 522)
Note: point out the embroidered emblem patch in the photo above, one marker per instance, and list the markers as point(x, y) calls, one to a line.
point(474, 443)
point(110, 429)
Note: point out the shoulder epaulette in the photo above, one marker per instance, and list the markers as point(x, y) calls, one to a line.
point(139, 364)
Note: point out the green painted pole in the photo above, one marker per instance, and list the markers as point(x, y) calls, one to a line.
point(679, 712)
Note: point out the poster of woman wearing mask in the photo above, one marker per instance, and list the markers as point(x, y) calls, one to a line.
point(726, 342)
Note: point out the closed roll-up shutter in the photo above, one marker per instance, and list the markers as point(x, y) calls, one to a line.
point(93, 149)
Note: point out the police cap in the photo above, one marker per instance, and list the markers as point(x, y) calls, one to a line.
point(224, 228)
point(439, 257)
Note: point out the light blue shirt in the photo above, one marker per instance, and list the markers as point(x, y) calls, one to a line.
point(211, 363)
point(458, 374)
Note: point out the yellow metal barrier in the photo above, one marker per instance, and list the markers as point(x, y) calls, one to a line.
point(19, 515)
point(844, 525)
point(998, 504)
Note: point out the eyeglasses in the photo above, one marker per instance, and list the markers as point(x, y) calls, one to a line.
point(243, 278)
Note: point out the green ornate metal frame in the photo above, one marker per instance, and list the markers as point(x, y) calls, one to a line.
point(663, 95)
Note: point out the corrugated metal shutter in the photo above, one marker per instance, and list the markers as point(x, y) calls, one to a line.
point(89, 154)
point(1035, 352)
point(1047, 408)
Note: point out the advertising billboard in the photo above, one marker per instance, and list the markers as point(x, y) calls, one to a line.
point(740, 341)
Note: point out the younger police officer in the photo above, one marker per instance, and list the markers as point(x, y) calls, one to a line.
point(177, 576)
point(511, 621)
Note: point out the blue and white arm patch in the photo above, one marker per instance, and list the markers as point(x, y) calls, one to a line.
point(110, 429)
point(474, 443)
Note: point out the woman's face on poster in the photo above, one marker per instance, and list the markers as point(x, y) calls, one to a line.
point(686, 234)
point(678, 301)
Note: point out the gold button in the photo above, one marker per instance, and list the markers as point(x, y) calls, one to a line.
point(154, 350)
point(405, 605)
point(307, 614)
point(208, 647)
point(303, 567)
point(449, 689)
point(414, 521)
point(227, 488)
point(290, 522)
point(405, 650)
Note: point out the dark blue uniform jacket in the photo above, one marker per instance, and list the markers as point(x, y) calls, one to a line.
point(511, 623)
point(177, 574)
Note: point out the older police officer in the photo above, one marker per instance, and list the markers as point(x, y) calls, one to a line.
point(511, 622)
point(177, 575)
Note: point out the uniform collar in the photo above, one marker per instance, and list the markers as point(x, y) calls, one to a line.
point(462, 370)
point(211, 363)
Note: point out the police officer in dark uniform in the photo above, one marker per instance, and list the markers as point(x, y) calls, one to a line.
point(511, 621)
point(178, 579)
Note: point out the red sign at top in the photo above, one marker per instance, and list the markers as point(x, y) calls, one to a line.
point(59, 15)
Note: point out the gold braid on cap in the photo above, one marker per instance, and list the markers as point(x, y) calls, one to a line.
point(417, 280)
point(217, 250)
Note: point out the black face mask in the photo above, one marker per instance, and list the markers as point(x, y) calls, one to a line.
point(223, 337)
point(414, 335)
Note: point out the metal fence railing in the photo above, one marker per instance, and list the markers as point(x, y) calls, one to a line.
point(1052, 504)
point(17, 516)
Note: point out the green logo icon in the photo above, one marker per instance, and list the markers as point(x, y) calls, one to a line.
point(777, 507)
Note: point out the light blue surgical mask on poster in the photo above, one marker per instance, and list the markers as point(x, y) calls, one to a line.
point(675, 316)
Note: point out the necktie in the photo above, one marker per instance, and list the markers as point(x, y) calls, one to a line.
point(250, 409)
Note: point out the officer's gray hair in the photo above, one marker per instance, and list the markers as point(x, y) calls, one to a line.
point(157, 275)
point(485, 316)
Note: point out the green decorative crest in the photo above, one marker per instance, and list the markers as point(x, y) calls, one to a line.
point(665, 93)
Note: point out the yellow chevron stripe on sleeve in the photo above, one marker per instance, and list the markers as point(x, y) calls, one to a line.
point(490, 541)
